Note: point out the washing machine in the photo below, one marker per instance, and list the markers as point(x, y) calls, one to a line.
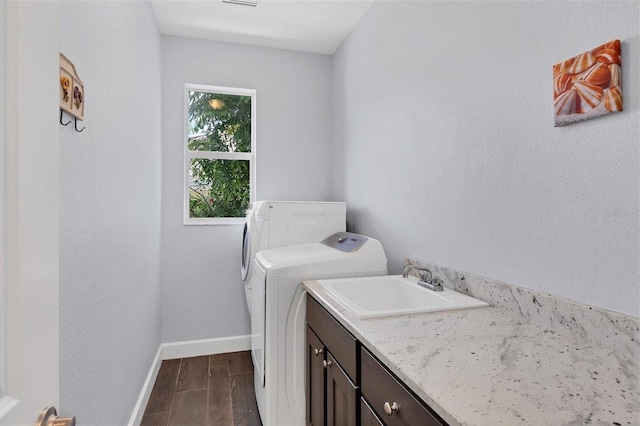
point(279, 315)
point(272, 224)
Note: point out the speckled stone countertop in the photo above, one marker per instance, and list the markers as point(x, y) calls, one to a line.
point(497, 365)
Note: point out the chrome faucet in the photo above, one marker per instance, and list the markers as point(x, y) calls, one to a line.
point(427, 279)
point(422, 270)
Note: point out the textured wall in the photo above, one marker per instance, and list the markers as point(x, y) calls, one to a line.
point(445, 150)
point(202, 293)
point(110, 211)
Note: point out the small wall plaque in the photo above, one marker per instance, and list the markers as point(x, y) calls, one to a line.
point(71, 89)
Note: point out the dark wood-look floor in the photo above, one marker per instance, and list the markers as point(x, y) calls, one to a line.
point(213, 390)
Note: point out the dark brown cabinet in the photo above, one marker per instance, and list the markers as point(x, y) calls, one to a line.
point(347, 386)
point(332, 393)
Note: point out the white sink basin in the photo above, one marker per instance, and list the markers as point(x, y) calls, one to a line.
point(389, 295)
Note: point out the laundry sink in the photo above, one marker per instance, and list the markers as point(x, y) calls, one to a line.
point(389, 295)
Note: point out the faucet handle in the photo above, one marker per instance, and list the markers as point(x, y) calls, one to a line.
point(437, 281)
point(425, 276)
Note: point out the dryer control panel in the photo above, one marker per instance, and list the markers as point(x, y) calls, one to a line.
point(345, 241)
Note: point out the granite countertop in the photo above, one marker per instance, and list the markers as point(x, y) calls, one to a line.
point(492, 366)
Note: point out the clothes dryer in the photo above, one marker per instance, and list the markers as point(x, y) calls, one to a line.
point(272, 224)
point(278, 320)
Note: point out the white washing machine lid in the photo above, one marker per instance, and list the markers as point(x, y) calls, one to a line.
point(317, 259)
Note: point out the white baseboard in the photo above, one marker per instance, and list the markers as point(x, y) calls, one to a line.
point(191, 348)
point(143, 399)
point(185, 349)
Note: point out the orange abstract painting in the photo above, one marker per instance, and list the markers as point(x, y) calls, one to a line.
point(588, 85)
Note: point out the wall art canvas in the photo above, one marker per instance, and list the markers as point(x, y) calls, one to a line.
point(588, 85)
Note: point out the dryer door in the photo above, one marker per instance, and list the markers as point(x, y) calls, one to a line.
point(246, 252)
point(250, 241)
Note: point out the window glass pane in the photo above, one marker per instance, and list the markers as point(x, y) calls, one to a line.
point(218, 188)
point(219, 122)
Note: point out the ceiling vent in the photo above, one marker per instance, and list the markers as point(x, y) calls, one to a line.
point(253, 3)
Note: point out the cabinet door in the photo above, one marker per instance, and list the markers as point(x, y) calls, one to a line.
point(335, 337)
point(315, 379)
point(342, 397)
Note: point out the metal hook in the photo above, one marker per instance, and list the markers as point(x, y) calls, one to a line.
point(64, 124)
point(76, 126)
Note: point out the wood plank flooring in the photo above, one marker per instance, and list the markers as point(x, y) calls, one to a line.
point(213, 390)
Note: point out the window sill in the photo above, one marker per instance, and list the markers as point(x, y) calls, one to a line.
point(215, 221)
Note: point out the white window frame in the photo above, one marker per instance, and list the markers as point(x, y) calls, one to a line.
point(210, 155)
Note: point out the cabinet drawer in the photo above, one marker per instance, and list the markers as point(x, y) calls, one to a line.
point(379, 386)
point(341, 344)
point(367, 416)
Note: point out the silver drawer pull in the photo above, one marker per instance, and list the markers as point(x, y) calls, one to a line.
point(317, 352)
point(326, 364)
point(389, 409)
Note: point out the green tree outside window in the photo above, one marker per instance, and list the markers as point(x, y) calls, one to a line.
point(218, 124)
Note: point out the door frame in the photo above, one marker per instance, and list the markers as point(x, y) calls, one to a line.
point(6, 402)
point(30, 208)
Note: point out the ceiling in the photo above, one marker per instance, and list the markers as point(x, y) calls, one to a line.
point(317, 26)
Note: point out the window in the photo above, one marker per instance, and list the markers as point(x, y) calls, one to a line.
point(219, 154)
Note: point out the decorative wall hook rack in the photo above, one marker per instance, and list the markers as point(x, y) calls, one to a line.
point(71, 93)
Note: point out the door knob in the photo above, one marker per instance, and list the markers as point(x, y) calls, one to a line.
point(326, 364)
point(49, 417)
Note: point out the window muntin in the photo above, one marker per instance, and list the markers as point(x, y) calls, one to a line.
point(219, 154)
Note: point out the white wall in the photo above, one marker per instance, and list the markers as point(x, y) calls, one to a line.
point(202, 295)
point(110, 211)
point(445, 150)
